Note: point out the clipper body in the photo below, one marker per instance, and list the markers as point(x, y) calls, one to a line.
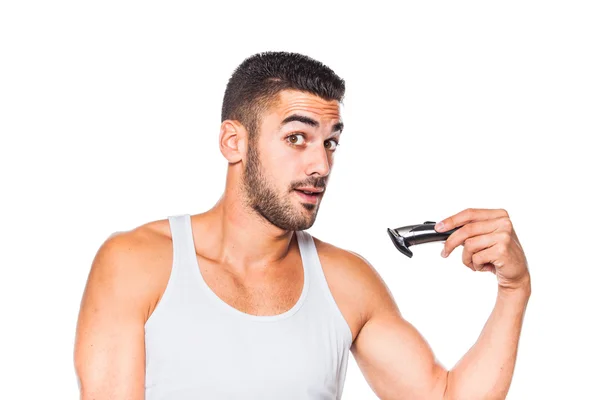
point(411, 235)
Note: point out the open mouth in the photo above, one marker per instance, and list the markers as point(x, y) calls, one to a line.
point(308, 195)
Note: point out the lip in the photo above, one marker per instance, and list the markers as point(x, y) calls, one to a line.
point(313, 199)
point(310, 189)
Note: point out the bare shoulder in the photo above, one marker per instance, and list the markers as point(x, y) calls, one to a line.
point(137, 262)
point(125, 276)
point(355, 283)
point(392, 355)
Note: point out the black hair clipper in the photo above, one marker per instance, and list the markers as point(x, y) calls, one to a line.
point(410, 235)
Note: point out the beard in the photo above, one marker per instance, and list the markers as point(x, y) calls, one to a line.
point(279, 210)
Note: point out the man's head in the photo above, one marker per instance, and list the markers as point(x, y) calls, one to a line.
point(285, 109)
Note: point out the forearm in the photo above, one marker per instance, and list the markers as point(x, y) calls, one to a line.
point(486, 370)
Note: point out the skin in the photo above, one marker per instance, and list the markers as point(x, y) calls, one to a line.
point(250, 259)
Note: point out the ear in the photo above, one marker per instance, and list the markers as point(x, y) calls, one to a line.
point(233, 141)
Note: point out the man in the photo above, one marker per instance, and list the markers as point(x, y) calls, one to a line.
point(240, 302)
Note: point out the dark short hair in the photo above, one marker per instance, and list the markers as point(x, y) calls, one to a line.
point(255, 84)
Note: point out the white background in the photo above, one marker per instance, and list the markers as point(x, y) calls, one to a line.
point(110, 113)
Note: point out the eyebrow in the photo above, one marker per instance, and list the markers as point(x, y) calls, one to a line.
point(309, 121)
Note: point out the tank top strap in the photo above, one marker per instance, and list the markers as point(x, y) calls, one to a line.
point(183, 247)
point(310, 259)
point(313, 265)
point(303, 244)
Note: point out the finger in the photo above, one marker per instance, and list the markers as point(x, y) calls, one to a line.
point(485, 258)
point(469, 230)
point(469, 215)
point(489, 267)
point(476, 244)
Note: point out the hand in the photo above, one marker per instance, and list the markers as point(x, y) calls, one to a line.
point(490, 244)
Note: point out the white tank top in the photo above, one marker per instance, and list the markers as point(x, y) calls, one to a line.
point(200, 347)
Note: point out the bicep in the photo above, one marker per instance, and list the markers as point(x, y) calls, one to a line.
point(109, 344)
point(396, 360)
point(394, 357)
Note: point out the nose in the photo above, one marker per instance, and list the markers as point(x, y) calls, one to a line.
point(319, 161)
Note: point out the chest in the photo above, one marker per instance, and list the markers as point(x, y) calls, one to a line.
point(257, 294)
point(276, 293)
point(220, 357)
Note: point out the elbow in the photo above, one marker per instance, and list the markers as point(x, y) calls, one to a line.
point(446, 394)
point(453, 391)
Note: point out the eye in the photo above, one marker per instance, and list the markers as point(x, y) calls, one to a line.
point(294, 142)
point(336, 144)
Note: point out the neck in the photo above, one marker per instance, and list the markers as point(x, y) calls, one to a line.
point(241, 240)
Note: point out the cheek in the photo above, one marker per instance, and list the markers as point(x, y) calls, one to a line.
point(283, 166)
point(279, 172)
point(286, 163)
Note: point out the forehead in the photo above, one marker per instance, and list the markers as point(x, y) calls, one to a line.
point(294, 101)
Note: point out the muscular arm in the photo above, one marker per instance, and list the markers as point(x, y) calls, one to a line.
point(398, 363)
point(109, 345)
point(486, 370)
